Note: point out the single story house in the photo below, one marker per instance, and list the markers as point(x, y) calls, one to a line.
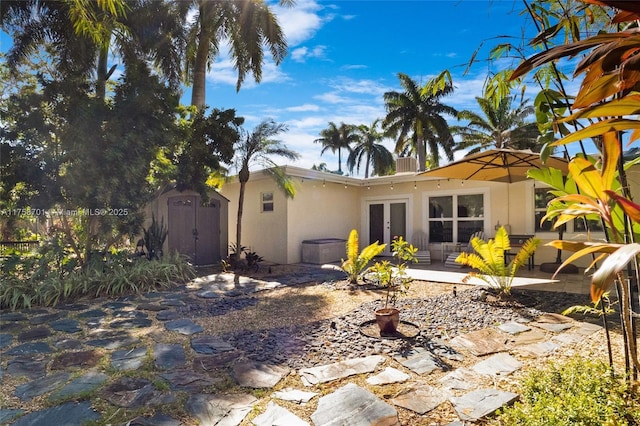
point(448, 211)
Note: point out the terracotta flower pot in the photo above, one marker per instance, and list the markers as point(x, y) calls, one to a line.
point(388, 320)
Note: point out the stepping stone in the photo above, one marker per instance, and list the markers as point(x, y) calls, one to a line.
point(131, 323)
point(130, 392)
point(31, 367)
point(564, 339)
point(5, 339)
point(480, 403)
point(418, 360)
point(113, 340)
point(73, 307)
point(553, 327)
point(513, 327)
point(294, 395)
point(167, 316)
point(30, 390)
point(157, 419)
point(538, 349)
point(439, 348)
point(173, 303)
point(351, 405)
point(129, 315)
point(30, 348)
point(12, 316)
point(65, 343)
point(481, 342)
point(186, 380)
point(82, 385)
point(551, 318)
point(421, 400)
point(8, 414)
point(529, 337)
point(69, 414)
point(210, 345)
point(460, 379)
point(276, 415)
point(208, 363)
point(387, 376)
point(501, 364)
point(166, 357)
point(586, 328)
point(47, 318)
point(128, 359)
point(151, 307)
point(94, 313)
point(69, 326)
point(116, 305)
point(183, 326)
point(38, 333)
point(339, 370)
point(256, 375)
point(222, 410)
point(88, 358)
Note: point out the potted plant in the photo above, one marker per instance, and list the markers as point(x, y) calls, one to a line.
point(394, 278)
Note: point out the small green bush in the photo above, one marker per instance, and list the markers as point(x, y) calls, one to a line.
point(578, 392)
point(26, 282)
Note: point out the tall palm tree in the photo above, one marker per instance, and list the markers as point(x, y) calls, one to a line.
point(336, 138)
point(500, 126)
point(257, 148)
point(81, 35)
point(369, 147)
point(416, 116)
point(248, 25)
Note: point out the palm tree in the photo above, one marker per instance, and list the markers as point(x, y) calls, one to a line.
point(257, 148)
point(419, 112)
point(248, 25)
point(500, 127)
point(336, 138)
point(369, 147)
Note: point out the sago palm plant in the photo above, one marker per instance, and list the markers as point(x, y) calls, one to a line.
point(490, 263)
point(357, 263)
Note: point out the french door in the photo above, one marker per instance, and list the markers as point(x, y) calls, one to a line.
point(387, 220)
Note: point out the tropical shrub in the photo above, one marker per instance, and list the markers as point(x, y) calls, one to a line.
point(154, 238)
point(578, 392)
point(489, 260)
point(25, 288)
point(357, 263)
point(393, 277)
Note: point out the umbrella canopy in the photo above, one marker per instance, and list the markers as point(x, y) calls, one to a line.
point(496, 165)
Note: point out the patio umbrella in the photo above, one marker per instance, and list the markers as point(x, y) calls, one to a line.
point(496, 165)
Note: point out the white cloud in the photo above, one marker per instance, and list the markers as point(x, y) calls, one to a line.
point(354, 67)
point(331, 98)
point(301, 54)
point(222, 71)
point(299, 23)
point(303, 108)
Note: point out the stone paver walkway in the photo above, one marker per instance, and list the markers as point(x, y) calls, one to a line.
point(68, 355)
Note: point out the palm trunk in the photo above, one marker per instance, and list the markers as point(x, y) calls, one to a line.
point(366, 166)
point(422, 155)
point(239, 219)
point(200, 64)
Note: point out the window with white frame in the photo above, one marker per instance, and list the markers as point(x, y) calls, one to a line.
point(454, 218)
point(267, 201)
point(542, 197)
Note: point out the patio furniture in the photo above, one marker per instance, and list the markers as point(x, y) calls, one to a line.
point(420, 240)
point(451, 259)
point(518, 241)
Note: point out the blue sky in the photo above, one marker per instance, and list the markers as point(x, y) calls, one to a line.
point(343, 55)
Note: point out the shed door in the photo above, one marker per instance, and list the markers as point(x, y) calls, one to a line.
point(208, 233)
point(182, 224)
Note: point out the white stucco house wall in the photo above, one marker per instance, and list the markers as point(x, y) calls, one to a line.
point(329, 206)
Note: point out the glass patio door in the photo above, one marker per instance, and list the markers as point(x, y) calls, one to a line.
point(387, 219)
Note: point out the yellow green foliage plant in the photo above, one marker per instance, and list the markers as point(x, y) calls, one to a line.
point(489, 260)
point(357, 263)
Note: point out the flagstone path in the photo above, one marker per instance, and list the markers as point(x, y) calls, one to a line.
point(67, 355)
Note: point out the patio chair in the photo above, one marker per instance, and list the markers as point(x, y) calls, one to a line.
point(451, 259)
point(421, 242)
